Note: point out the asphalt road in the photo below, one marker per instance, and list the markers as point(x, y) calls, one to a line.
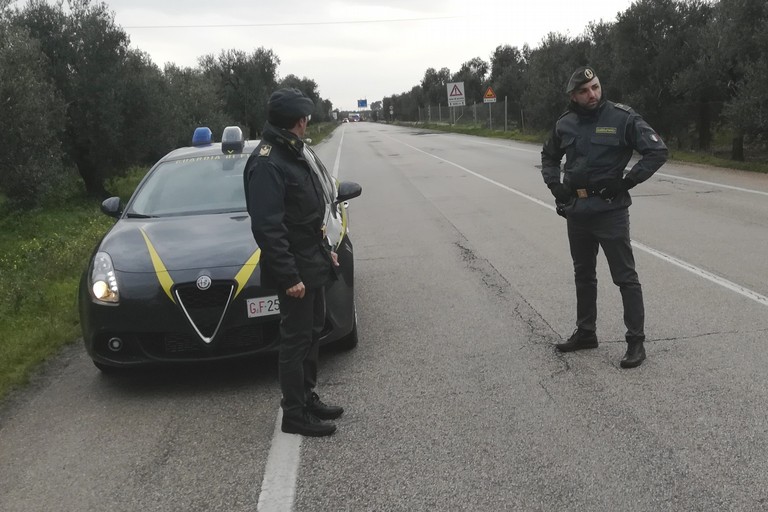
point(455, 397)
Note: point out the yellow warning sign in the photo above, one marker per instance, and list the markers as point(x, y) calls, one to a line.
point(489, 96)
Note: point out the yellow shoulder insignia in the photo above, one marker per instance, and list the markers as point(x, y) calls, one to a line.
point(265, 150)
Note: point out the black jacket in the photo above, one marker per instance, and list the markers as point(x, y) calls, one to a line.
point(598, 145)
point(287, 207)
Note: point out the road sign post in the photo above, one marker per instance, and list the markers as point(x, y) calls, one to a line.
point(456, 97)
point(489, 97)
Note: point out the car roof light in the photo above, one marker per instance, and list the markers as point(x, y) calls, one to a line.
point(202, 136)
point(232, 140)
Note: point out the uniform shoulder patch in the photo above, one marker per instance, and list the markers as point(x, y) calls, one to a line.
point(623, 107)
point(265, 150)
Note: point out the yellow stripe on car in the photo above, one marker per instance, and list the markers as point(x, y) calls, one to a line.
point(343, 226)
point(160, 271)
point(244, 275)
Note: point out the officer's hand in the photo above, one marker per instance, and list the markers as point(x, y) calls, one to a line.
point(296, 291)
point(560, 209)
point(611, 189)
point(335, 259)
point(627, 183)
point(561, 192)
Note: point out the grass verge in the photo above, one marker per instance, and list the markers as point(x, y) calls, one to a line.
point(42, 254)
point(318, 132)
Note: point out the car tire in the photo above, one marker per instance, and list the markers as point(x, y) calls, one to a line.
point(349, 341)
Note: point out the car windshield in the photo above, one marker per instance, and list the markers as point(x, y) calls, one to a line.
point(191, 186)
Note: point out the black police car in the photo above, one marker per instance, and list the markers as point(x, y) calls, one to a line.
point(176, 278)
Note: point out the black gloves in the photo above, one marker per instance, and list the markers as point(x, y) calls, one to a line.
point(562, 195)
point(561, 192)
point(613, 188)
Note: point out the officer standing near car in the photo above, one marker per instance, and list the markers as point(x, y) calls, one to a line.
point(597, 138)
point(289, 194)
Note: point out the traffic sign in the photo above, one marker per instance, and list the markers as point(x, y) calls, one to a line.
point(456, 94)
point(489, 96)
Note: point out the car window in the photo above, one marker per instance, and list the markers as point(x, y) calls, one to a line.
point(205, 184)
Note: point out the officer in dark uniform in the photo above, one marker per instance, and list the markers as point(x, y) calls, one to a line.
point(597, 138)
point(287, 200)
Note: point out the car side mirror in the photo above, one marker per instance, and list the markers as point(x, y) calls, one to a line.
point(348, 190)
point(112, 207)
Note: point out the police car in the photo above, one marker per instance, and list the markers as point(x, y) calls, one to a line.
point(176, 278)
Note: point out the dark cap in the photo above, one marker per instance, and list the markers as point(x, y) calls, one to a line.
point(579, 77)
point(288, 105)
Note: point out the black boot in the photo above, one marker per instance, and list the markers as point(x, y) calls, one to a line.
point(635, 354)
point(323, 411)
point(307, 425)
point(579, 340)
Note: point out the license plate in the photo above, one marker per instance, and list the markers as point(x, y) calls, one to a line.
point(263, 306)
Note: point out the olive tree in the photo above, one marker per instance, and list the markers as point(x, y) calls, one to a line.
point(245, 82)
point(87, 53)
point(30, 162)
point(193, 100)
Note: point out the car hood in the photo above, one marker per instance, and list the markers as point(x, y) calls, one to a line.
point(180, 243)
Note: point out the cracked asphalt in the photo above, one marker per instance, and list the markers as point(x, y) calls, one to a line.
point(455, 398)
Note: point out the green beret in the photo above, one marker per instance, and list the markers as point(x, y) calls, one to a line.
point(579, 77)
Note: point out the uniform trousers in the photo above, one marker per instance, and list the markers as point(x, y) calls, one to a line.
point(609, 230)
point(301, 323)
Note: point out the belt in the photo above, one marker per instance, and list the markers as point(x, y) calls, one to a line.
point(585, 192)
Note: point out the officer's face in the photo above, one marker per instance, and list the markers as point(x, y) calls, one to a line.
point(301, 126)
point(588, 95)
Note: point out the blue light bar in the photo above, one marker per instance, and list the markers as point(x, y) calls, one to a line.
point(202, 136)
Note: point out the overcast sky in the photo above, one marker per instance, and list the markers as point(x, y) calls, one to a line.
point(358, 60)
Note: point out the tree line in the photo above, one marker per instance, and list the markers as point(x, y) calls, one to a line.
point(692, 68)
point(76, 99)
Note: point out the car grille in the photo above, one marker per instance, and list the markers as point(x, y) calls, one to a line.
point(238, 340)
point(205, 309)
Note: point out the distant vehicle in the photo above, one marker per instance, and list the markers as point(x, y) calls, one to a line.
point(345, 120)
point(355, 118)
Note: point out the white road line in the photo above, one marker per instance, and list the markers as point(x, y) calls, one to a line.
point(712, 184)
point(505, 146)
point(278, 487)
point(338, 154)
point(746, 292)
point(752, 295)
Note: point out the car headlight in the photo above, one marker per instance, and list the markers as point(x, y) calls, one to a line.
point(103, 279)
